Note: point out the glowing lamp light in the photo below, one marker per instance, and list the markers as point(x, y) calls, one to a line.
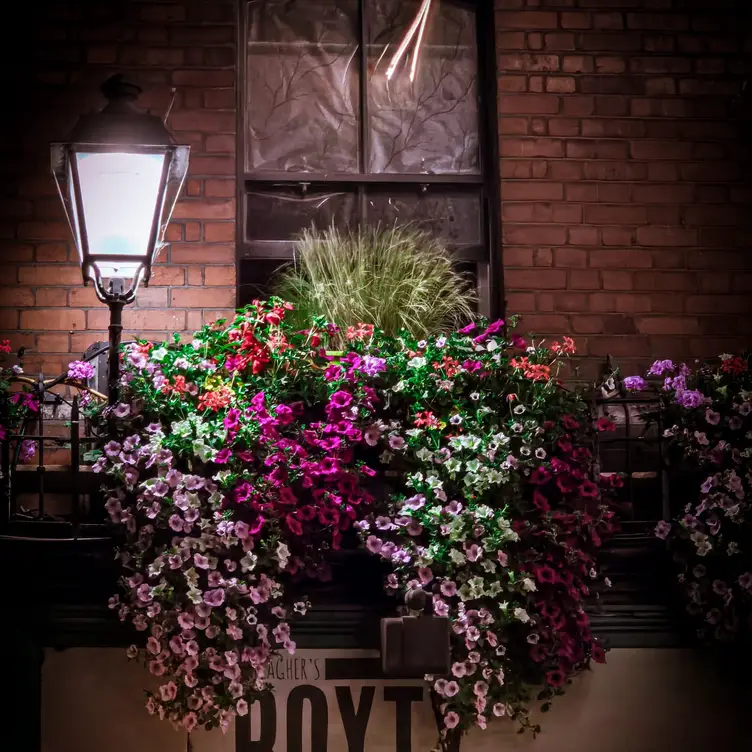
point(119, 174)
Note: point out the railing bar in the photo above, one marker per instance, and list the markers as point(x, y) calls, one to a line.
point(40, 453)
point(75, 464)
point(6, 503)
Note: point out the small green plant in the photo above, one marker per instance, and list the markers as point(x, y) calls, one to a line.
point(397, 278)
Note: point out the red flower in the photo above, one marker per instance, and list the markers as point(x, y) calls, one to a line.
point(540, 501)
point(540, 476)
point(4, 345)
point(732, 365)
point(545, 574)
point(589, 489)
point(598, 654)
point(427, 419)
point(556, 678)
point(538, 653)
point(293, 525)
point(569, 423)
point(605, 424)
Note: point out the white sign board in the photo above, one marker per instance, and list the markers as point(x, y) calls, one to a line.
point(327, 701)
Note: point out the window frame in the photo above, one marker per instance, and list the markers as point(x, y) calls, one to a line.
point(486, 255)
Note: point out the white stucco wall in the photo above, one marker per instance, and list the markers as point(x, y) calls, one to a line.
point(640, 701)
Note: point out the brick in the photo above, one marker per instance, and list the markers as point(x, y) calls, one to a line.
point(560, 41)
point(210, 78)
point(576, 20)
point(530, 19)
point(603, 214)
point(219, 188)
point(211, 316)
point(53, 343)
point(216, 297)
point(683, 325)
point(666, 236)
point(528, 62)
point(203, 120)
point(577, 64)
point(52, 319)
point(584, 279)
point(582, 236)
point(83, 297)
point(192, 231)
point(219, 232)
point(16, 297)
point(202, 209)
point(167, 275)
point(664, 280)
point(221, 144)
point(151, 297)
point(43, 231)
point(616, 280)
point(587, 324)
point(194, 253)
point(563, 301)
point(535, 279)
point(624, 259)
point(50, 275)
point(212, 166)
point(532, 235)
point(596, 149)
point(531, 147)
point(52, 252)
point(560, 84)
point(168, 320)
point(529, 104)
point(16, 252)
point(219, 275)
point(46, 297)
point(195, 275)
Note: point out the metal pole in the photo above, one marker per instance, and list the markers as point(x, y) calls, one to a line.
point(116, 304)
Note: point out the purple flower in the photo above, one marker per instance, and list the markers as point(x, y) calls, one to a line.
point(80, 370)
point(467, 329)
point(662, 529)
point(660, 367)
point(214, 597)
point(122, 410)
point(340, 400)
point(635, 383)
point(223, 457)
point(333, 372)
point(372, 366)
point(690, 398)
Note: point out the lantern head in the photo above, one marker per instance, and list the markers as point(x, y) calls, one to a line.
point(119, 174)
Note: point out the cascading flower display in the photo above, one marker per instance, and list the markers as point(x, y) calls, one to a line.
point(497, 516)
point(709, 413)
point(240, 458)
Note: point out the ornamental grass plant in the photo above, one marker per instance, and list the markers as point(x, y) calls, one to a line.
point(397, 278)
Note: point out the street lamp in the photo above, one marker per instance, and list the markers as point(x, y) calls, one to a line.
point(119, 174)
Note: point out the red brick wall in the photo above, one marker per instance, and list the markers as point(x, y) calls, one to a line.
point(625, 195)
point(624, 184)
point(62, 52)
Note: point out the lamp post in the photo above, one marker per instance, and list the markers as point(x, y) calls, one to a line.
point(119, 174)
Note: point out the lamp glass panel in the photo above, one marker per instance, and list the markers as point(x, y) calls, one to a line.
point(119, 193)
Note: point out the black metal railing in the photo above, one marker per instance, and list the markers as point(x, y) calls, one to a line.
point(635, 450)
point(60, 406)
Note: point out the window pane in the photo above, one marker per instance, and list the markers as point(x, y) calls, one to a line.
point(257, 278)
point(453, 217)
point(430, 124)
point(282, 213)
point(302, 85)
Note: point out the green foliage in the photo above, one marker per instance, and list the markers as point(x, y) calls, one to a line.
point(397, 278)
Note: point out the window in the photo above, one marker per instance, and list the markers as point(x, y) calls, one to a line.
point(337, 126)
